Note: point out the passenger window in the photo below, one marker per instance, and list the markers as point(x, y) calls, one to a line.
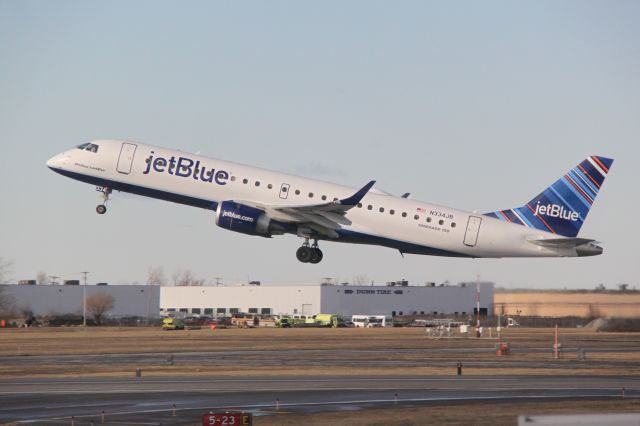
point(311, 195)
point(392, 211)
point(233, 178)
point(428, 220)
point(245, 181)
point(441, 222)
point(404, 214)
point(324, 197)
point(269, 186)
point(359, 205)
point(453, 224)
point(257, 183)
point(369, 207)
point(416, 217)
point(381, 209)
point(284, 189)
point(297, 192)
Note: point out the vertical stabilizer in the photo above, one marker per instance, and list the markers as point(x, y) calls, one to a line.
point(563, 207)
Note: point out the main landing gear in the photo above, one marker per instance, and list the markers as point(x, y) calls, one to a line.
point(102, 208)
point(309, 254)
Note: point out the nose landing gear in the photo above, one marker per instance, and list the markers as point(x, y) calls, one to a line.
point(102, 208)
point(309, 254)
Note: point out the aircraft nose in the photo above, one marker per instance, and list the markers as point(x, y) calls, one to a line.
point(56, 161)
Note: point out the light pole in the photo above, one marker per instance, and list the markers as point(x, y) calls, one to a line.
point(478, 306)
point(84, 300)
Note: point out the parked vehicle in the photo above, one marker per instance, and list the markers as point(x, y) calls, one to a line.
point(172, 324)
point(369, 321)
point(329, 320)
point(283, 322)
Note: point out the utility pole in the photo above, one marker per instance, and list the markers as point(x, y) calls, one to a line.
point(478, 306)
point(84, 300)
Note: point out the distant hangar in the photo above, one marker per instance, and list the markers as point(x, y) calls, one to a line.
point(343, 300)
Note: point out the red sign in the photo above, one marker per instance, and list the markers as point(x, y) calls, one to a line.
point(227, 419)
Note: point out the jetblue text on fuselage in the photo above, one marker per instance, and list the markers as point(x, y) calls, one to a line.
point(185, 167)
point(554, 210)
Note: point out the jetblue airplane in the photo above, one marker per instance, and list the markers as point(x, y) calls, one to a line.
point(260, 202)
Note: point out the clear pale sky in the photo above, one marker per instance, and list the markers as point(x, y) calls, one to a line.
point(474, 105)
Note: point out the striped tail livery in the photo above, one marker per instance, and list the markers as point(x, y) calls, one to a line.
point(563, 207)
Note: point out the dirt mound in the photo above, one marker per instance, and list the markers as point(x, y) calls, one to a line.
point(614, 324)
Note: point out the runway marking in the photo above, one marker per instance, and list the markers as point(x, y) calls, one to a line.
point(314, 389)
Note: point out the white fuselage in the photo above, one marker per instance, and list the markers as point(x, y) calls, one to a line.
point(408, 225)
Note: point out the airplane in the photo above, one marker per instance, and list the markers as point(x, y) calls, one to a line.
point(265, 203)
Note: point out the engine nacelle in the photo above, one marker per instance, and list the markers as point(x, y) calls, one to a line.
point(242, 218)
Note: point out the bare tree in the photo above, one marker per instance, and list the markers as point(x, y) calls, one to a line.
point(623, 286)
point(42, 278)
point(156, 276)
point(98, 304)
point(5, 270)
point(185, 278)
point(6, 302)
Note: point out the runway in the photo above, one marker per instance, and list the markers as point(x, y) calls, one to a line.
point(150, 400)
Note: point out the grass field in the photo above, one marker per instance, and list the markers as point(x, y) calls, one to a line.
point(406, 351)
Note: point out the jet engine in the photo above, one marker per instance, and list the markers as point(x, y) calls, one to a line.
point(242, 218)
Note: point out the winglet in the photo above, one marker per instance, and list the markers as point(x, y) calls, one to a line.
point(355, 198)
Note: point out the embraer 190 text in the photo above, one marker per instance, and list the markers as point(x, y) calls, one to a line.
point(260, 202)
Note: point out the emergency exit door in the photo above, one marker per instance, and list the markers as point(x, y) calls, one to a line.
point(471, 234)
point(284, 191)
point(125, 160)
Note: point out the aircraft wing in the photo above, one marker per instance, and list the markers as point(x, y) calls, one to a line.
point(324, 218)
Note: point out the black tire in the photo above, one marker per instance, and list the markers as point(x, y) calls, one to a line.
point(101, 209)
point(304, 254)
point(317, 256)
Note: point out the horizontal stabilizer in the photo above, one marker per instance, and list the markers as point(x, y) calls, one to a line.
point(562, 242)
point(582, 246)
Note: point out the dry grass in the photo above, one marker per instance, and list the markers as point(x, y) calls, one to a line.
point(371, 348)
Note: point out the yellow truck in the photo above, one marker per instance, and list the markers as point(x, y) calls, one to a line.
point(172, 324)
point(329, 320)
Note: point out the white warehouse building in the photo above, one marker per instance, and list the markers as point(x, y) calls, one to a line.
point(330, 299)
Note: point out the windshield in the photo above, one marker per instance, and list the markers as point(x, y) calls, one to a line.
point(88, 147)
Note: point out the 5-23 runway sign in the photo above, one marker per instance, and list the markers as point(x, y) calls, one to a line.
point(227, 419)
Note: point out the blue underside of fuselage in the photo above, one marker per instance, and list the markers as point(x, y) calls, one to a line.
point(346, 236)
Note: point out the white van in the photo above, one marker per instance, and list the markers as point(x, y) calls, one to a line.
point(368, 321)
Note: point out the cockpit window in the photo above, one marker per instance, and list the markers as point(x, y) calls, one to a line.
point(89, 147)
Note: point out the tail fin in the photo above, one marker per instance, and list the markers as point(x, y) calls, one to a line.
point(563, 207)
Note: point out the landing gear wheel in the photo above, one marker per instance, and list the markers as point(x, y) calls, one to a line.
point(101, 209)
point(304, 254)
point(317, 255)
